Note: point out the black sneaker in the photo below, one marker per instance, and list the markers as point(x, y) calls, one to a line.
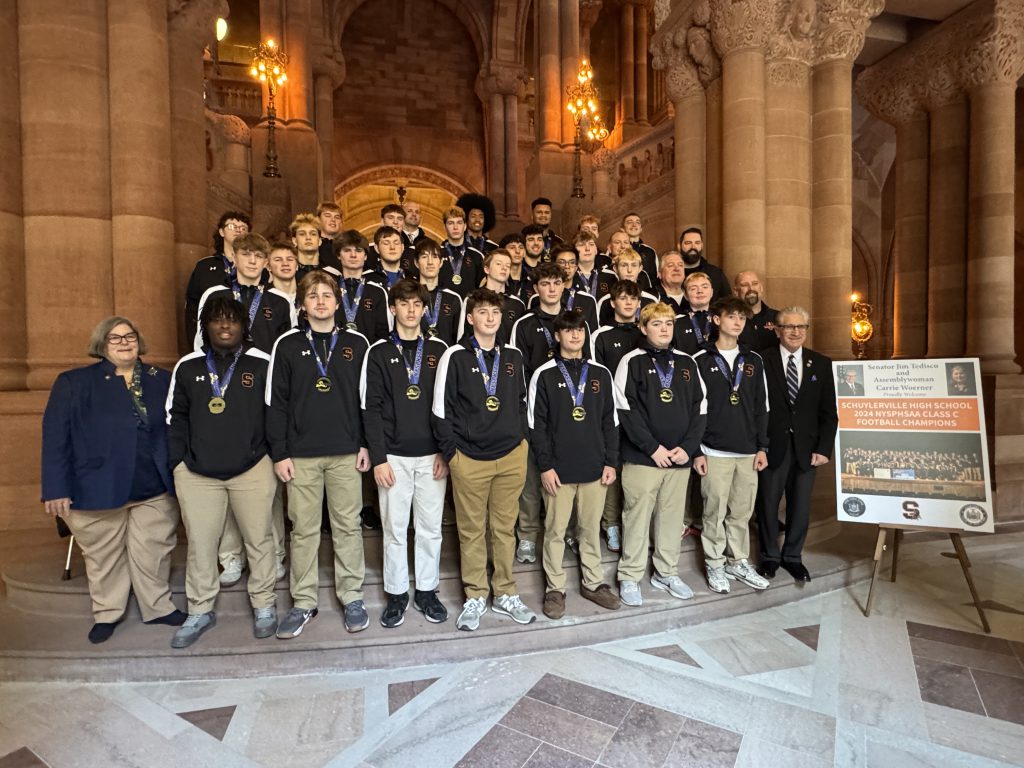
point(431, 608)
point(394, 612)
point(369, 519)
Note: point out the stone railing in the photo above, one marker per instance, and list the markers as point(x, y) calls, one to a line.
point(644, 159)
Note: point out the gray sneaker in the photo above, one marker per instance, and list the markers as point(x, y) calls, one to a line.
point(513, 607)
point(671, 584)
point(717, 581)
point(264, 622)
point(193, 628)
point(282, 571)
point(743, 571)
point(629, 594)
point(472, 610)
point(356, 617)
point(293, 624)
point(526, 552)
point(232, 573)
point(614, 541)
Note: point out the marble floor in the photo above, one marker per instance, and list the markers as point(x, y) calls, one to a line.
point(807, 684)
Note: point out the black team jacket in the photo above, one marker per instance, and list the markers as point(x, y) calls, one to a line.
point(305, 420)
point(221, 445)
point(449, 319)
point(611, 343)
point(529, 338)
point(577, 450)
point(741, 428)
point(395, 423)
point(580, 300)
point(373, 320)
point(471, 271)
point(211, 272)
point(461, 419)
point(647, 420)
point(275, 314)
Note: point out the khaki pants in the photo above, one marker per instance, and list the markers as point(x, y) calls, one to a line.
point(125, 549)
point(729, 489)
point(658, 494)
point(612, 512)
point(415, 490)
point(305, 509)
point(204, 506)
point(589, 498)
point(231, 541)
point(530, 503)
point(694, 515)
point(485, 495)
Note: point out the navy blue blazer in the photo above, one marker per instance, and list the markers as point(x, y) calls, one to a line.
point(89, 435)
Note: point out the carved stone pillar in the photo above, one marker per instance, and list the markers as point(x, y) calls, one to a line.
point(569, 33)
point(589, 11)
point(496, 149)
point(189, 28)
point(299, 93)
point(788, 166)
point(842, 24)
point(739, 31)
point(142, 230)
point(498, 92)
point(947, 229)
point(641, 52)
point(512, 169)
point(911, 289)
point(713, 237)
point(66, 179)
point(602, 168)
point(627, 63)
point(549, 93)
point(329, 74)
point(13, 345)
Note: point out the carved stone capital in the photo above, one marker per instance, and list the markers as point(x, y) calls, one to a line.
point(603, 161)
point(501, 78)
point(195, 20)
point(842, 26)
point(589, 11)
point(229, 128)
point(329, 62)
point(984, 43)
point(738, 25)
point(682, 79)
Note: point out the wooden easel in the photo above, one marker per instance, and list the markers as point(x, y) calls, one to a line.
point(961, 555)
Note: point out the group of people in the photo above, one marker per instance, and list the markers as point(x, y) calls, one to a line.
point(568, 394)
point(948, 466)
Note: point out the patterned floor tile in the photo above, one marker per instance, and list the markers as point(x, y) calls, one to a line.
point(213, 721)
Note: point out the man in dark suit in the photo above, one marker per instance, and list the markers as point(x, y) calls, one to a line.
point(802, 423)
point(849, 386)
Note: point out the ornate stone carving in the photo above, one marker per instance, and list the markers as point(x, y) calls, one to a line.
point(229, 128)
point(662, 8)
point(984, 43)
point(741, 24)
point(791, 47)
point(500, 78)
point(842, 25)
point(681, 76)
point(388, 174)
point(603, 160)
point(329, 63)
point(698, 43)
point(791, 72)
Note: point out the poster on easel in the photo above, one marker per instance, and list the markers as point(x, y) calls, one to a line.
point(911, 448)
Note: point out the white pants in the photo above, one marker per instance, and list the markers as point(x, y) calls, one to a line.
point(415, 488)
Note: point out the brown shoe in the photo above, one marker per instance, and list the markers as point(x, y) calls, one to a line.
point(603, 596)
point(554, 605)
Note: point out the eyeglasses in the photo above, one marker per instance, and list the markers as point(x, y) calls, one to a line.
point(241, 228)
point(566, 263)
point(117, 338)
point(795, 328)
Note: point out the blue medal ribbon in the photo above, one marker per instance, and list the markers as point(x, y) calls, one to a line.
point(215, 379)
point(351, 306)
point(734, 377)
point(665, 377)
point(321, 365)
point(254, 305)
point(574, 392)
point(417, 366)
point(490, 381)
point(701, 335)
point(547, 335)
point(456, 265)
point(433, 315)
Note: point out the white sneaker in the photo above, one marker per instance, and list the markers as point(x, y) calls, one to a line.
point(472, 610)
point(232, 573)
point(614, 542)
point(744, 571)
point(717, 581)
point(281, 570)
point(671, 584)
point(629, 593)
point(526, 552)
point(514, 608)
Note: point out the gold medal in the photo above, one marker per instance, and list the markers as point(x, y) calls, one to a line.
point(432, 331)
point(216, 405)
point(413, 392)
point(492, 403)
point(350, 326)
point(456, 279)
point(666, 395)
point(323, 384)
point(579, 413)
point(734, 398)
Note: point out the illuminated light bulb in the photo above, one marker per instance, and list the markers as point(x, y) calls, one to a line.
point(262, 67)
point(270, 43)
point(263, 78)
point(254, 72)
point(277, 70)
point(222, 29)
point(854, 297)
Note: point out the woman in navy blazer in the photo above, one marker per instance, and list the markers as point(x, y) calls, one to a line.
point(105, 472)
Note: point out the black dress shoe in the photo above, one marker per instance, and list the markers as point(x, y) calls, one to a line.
point(797, 571)
point(768, 569)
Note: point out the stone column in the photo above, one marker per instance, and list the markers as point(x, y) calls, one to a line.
point(329, 73)
point(549, 93)
point(512, 169)
point(641, 51)
point(299, 93)
point(496, 149)
point(739, 31)
point(142, 230)
point(990, 241)
point(66, 178)
point(911, 291)
point(602, 166)
point(947, 229)
point(13, 344)
point(589, 11)
point(713, 237)
point(840, 38)
point(189, 30)
point(569, 30)
point(627, 65)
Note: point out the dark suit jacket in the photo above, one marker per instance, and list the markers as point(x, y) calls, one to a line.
point(812, 419)
point(89, 435)
point(846, 390)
